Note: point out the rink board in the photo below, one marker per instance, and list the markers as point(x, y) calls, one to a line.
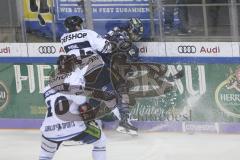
point(149, 126)
point(202, 99)
point(209, 92)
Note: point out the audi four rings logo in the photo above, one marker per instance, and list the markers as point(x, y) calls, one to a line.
point(187, 49)
point(47, 49)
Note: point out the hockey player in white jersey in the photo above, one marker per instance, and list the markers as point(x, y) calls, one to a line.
point(84, 43)
point(87, 45)
point(67, 105)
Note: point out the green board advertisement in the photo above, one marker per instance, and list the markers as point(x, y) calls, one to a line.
point(207, 92)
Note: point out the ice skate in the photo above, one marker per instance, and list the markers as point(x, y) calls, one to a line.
point(126, 127)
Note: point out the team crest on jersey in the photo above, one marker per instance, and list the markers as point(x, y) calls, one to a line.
point(4, 96)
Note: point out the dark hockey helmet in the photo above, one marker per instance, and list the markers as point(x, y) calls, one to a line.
point(135, 29)
point(73, 23)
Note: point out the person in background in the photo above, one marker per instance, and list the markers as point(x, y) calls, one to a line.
point(169, 17)
point(182, 13)
point(183, 17)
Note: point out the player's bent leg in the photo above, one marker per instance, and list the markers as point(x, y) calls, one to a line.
point(48, 149)
point(99, 148)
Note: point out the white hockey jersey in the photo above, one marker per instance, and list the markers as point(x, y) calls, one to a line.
point(86, 44)
point(83, 42)
point(53, 127)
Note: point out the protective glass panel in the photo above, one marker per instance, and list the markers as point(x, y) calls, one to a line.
point(163, 20)
point(218, 21)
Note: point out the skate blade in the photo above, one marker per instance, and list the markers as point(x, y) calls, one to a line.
point(125, 131)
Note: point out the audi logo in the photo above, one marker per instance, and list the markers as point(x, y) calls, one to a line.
point(187, 49)
point(47, 49)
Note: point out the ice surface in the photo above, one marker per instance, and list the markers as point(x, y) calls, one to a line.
point(25, 144)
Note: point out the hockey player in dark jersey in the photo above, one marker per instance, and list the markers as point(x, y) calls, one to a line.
point(125, 52)
point(122, 39)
